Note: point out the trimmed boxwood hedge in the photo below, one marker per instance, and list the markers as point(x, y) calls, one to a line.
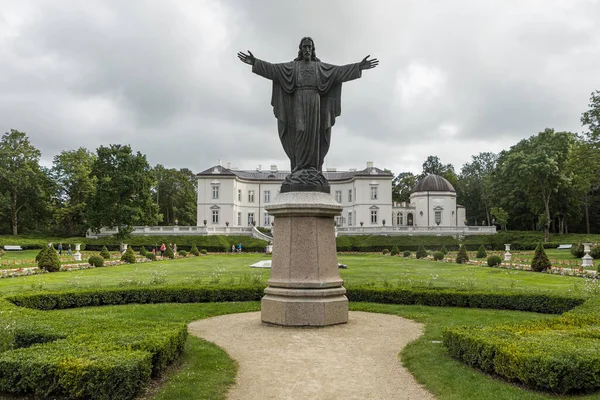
point(537, 302)
point(139, 294)
point(561, 355)
point(442, 297)
point(213, 243)
point(49, 357)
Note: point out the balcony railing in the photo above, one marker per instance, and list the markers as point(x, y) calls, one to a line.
point(416, 230)
point(348, 231)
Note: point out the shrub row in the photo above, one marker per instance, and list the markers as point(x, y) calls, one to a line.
point(141, 295)
point(377, 243)
point(212, 243)
point(542, 302)
point(560, 355)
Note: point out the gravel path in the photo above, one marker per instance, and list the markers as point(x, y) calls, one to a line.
point(357, 360)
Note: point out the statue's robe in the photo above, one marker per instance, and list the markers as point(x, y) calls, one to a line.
point(306, 99)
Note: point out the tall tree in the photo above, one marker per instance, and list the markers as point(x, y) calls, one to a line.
point(72, 172)
point(433, 165)
point(175, 194)
point(474, 189)
point(537, 167)
point(122, 198)
point(591, 118)
point(20, 172)
point(402, 185)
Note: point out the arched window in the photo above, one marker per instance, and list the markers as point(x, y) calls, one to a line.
point(399, 219)
point(409, 219)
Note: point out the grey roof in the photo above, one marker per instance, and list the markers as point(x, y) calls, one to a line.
point(280, 175)
point(433, 183)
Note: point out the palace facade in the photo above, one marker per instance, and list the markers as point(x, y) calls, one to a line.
point(237, 198)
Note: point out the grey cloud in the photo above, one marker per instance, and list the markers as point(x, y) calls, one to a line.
point(165, 78)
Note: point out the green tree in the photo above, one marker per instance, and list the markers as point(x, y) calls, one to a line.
point(433, 165)
point(500, 216)
point(75, 184)
point(175, 195)
point(591, 118)
point(21, 178)
point(584, 164)
point(537, 167)
point(402, 185)
point(474, 186)
point(122, 197)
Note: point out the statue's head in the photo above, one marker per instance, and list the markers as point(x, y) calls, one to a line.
point(306, 50)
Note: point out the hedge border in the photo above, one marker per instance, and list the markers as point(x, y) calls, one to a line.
point(442, 297)
point(465, 344)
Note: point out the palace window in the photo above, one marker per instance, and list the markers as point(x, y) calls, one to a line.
point(338, 196)
point(215, 216)
point(374, 193)
point(250, 219)
point(399, 219)
point(438, 217)
point(349, 218)
point(239, 194)
point(239, 219)
point(266, 221)
point(349, 195)
point(373, 216)
point(267, 196)
point(251, 196)
point(215, 191)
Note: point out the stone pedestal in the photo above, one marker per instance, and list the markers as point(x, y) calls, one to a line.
point(305, 288)
point(77, 254)
point(507, 255)
point(587, 260)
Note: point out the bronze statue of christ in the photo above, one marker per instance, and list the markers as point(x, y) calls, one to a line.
point(306, 99)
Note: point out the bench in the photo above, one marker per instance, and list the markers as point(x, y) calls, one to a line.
point(564, 246)
point(11, 247)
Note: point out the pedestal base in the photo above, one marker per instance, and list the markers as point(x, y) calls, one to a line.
point(304, 307)
point(305, 288)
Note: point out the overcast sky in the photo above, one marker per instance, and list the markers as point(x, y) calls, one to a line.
point(455, 77)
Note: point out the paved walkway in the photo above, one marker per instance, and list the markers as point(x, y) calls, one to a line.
point(357, 360)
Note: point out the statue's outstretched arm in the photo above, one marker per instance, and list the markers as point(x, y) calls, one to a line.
point(368, 64)
point(246, 58)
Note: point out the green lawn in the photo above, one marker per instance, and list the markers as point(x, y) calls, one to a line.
point(363, 269)
point(205, 371)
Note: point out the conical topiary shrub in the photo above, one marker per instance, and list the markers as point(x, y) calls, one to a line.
point(421, 252)
point(49, 260)
point(540, 260)
point(169, 252)
point(128, 256)
point(41, 253)
point(444, 250)
point(104, 253)
point(481, 253)
point(143, 251)
point(194, 250)
point(395, 251)
point(462, 256)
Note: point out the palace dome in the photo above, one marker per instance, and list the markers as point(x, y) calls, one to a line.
point(433, 183)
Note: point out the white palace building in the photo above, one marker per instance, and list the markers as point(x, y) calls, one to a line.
point(234, 200)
